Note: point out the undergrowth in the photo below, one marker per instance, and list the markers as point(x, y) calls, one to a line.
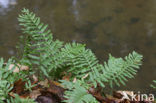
point(49, 58)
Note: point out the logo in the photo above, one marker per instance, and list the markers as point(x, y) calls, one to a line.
point(131, 96)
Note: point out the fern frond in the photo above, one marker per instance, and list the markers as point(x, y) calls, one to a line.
point(116, 70)
point(77, 93)
point(40, 49)
point(123, 68)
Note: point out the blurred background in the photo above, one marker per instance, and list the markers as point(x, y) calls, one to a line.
point(106, 26)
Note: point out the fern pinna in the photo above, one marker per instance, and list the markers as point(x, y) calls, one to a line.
point(52, 57)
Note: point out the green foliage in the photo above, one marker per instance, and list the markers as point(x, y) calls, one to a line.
point(79, 59)
point(116, 70)
point(29, 86)
point(5, 88)
point(39, 47)
point(17, 99)
point(7, 79)
point(154, 84)
point(52, 57)
point(77, 93)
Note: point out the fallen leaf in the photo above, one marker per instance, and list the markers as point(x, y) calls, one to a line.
point(18, 67)
point(57, 90)
point(34, 94)
point(18, 87)
point(44, 83)
point(35, 78)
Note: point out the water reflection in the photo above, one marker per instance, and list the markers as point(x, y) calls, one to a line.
point(75, 9)
point(5, 4)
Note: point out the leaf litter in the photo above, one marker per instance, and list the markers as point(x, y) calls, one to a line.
point(48, 91)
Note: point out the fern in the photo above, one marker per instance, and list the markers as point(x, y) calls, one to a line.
point(7, 79)
point(29, 86)
point(80, 60)
point(116, 70)
point(5, 88)
point(40, 48)
point(77, 93)
point(52, 57)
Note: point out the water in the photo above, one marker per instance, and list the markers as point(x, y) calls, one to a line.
point(106, 26)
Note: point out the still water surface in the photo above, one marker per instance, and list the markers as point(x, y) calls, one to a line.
point(106, 26)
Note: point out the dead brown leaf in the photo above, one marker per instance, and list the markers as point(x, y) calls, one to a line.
point(18, 86)
point(34, 94)
point(18, 67)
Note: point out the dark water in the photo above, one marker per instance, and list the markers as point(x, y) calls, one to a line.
point(106, 26)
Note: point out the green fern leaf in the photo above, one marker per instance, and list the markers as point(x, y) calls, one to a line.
point(116, 70)
point(40, 49)
point(77, 93)
point(80, 59)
